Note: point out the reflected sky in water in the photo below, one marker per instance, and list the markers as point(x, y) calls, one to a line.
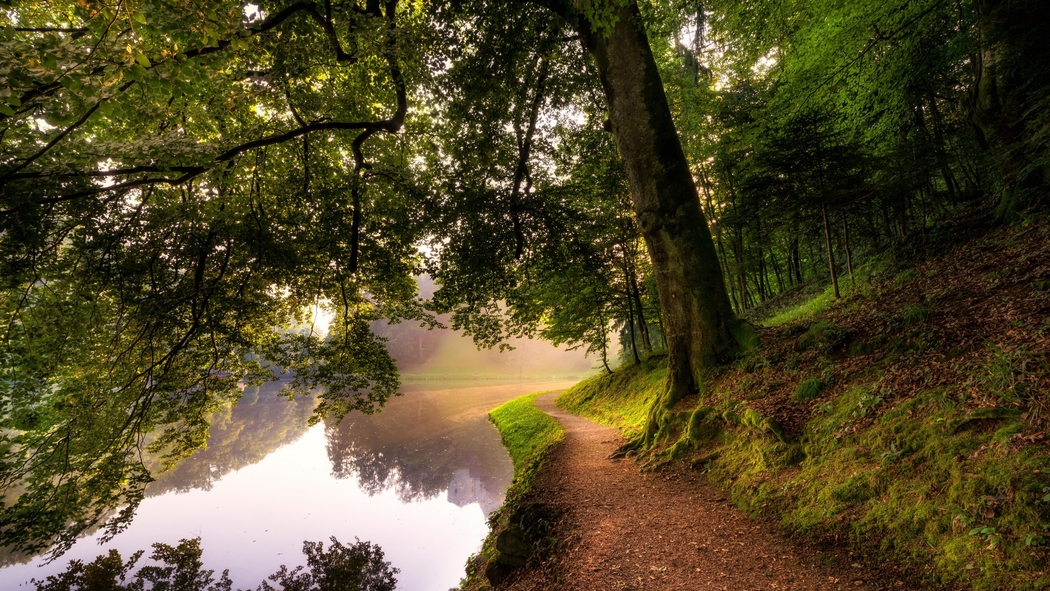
point(417, 479)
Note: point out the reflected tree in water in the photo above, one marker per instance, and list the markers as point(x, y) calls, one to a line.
point(414, 447)
point(261, 422)
point(357, 567)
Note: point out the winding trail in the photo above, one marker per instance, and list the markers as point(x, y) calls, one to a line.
point(620, 528)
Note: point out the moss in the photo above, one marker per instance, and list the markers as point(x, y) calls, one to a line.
point(894, 477)
point(529, 435)
point(824, 337)
point(622, 399)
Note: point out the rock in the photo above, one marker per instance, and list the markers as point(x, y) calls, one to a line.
point(512, 551)
point(512, 543)
point(497, 572)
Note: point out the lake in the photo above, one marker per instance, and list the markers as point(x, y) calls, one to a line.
point(418, 479)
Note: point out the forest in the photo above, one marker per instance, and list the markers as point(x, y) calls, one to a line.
point(202, 195)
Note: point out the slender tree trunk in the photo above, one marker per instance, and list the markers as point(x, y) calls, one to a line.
point(630, 301)
point(950, 184)
point(630, 328)
point(798, 259)
point(886, 223)
point(705, 183)
point(603, 330)
point(831, 256)
point(849, 253)
point(728, 273)
point(643, 325)
point(776, 268)
point(698, 318)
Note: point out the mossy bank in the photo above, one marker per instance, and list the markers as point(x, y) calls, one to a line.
point(520, 529)
point(907, 419)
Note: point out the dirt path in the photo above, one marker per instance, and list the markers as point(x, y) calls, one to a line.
point(623, 529)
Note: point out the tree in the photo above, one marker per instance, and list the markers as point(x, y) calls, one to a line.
point(1010, 89)
point(698, 319)
point(357, 567)
point(700, 327)
point(171, 189)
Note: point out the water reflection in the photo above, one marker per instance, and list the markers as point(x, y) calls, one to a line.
point(239, 436)
point(406, 479)
point(426, 443)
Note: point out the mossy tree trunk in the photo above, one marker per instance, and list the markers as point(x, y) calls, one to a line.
point(698, 319)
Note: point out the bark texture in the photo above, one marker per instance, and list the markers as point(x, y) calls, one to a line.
point(697, 316)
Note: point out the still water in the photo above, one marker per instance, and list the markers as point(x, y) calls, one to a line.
point(418, 479)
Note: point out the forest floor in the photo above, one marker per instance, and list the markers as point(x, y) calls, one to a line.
point(621, 528)
point(905, 425)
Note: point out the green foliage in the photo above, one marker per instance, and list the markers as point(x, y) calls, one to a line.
point(905, 276)
point(173, 215)
point(916, 314)
point(551, 250)
point(179, 569)
point(601, 15)
point(808, 390)
point(357, 567)
point(822, 336)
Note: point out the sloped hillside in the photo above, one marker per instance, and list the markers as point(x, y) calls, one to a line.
point(907, 419)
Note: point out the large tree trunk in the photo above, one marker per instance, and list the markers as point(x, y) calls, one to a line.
point(1010, 66)
point(698, 319)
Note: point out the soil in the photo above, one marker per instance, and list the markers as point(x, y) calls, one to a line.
point(621, 528)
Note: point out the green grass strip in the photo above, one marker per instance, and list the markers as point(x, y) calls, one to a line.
point(527, 431)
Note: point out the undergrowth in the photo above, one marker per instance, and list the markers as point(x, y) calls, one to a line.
point(897, 419)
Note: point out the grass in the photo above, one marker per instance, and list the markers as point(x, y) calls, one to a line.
point(529, 435)
point(913, 480)
point(807, 309)
point(808, 390)
point(864, 275)
point(527, 431)
point(619, 400)
point(938, 467)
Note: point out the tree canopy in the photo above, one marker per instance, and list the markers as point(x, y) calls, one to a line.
point(196, 195)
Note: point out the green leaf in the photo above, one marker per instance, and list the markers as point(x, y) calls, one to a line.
point(71, 83)
point(143, 60)
point(14, 101)
point(138, 17)
point(6, 110)
point(106, 108)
